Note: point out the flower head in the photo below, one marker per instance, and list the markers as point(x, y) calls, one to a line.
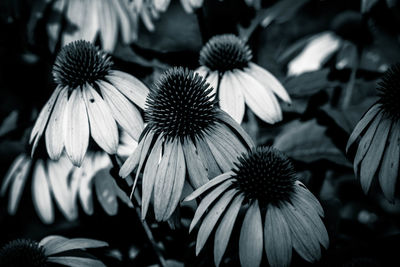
point(25, 252)
point(376, 137)
point(226, 63)
point(263, 182)
point(108, 21)
point(186, 136)
point(90, 98)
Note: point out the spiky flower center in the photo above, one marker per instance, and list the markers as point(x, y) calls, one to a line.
point(389, 92)
point(22, 252)
point(181, 104)
point(80, 62)
point(265, 174)
point(225, 52)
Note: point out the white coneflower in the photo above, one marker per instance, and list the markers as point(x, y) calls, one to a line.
point(377, 138)
point(90, 99)
point(25, 252)
point(186, 136)
point(226, 63)
point(264, 184)
point(109, 21)
point(190, 5)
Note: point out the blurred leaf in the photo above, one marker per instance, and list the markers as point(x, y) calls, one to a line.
point(9, 123)
point(366, 5)
point(307, 142)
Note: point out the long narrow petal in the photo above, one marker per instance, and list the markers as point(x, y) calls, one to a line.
point(207, 157)
point(362, 124)
point(262, 102)
point(41, 193)
point(309, 197)
point(228, 139)
point(106, 196)
point(230, 95)
point(203, 71)
point(366, 142)
point(302, 234)
point(211, 219)
point(251, 237)
point(42, 119)
point(85, 191)
point(75, 243)
point(49, 241)
point(124, 112)
point(18, 185)
point(103, 128)
point(228, 120)
point(277, 238)
point(108, 25)
point(217, 180)
point(213, 79)
point(225, 156)
point(268, 80)
point(163, 183)
point(14, 169)
point(207, 201)
point(149, 175)
point(130, 86)
point(390, 164)
point(54, 131)
point(75, 261)
point(197, 170)
point(132, 161)
point(373, 157)
point(125, 21)
point(224, 229)
point(179, 173)
point(76, 137)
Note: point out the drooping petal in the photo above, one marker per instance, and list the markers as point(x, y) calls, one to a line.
point(227, 139)
point(75, 243)
point(125, 21)
point(224, 229)
point(366, 142)
point(362, 124)
point(54, 131)
point(230, 95)
point(262, 102)
point(41, 193)
point(125, 113)
point(268, 80)
point(207, 201)
point(302, 234)
point(251, 237)
point(213, 79)
point(85, 188)
point(49, 241)
point(106, 196)
point(132, 161)
point(277, 238)
point(389, 170)
point(207, 157)
point(197, 171)
point(224, 155)
point(211, 219)
point(76, 138)
point(108, 25)
point(12, 172)
point(73, 261)
point(42, 119)
point(130, 86)
point(103, 128)
point(305, 194)
point(19, 179)
point(373, 157)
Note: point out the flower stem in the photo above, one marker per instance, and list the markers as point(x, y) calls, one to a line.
point(138, 200)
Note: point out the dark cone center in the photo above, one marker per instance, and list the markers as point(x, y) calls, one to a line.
point(225, 52)
point(180, 104)
point(265, 174)
point(80, 62)
point(22, 252)
point(389, 92)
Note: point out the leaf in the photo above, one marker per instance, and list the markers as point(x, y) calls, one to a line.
point(308, 83)
point(307, 142)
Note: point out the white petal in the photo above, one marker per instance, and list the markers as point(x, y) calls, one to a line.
point(124, 112)
point(212, 79)
point(211, 219)
point(231, 98)
point(207, 157)
point(42, 119)
point(108, 25)
point(75, 243)
point(203, 71)
point(315, 54)
point(197, 170)
point(14, 169)
point(224, 229)
point(41, 193)
point(262, 102)
point(76, 137)
point(54, 131)
point(251, 237)
point(49, 241)
point(103, 128)
point(130, 86)
point(269, 81)
point(18, 184)
point(75, 261)
point(104, 191)
point(125, 21)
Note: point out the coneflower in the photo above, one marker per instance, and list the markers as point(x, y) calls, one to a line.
point(263, 182)
point(226, 63)
point(186, 136)
point(90, 99)
point(377, 137)
point(26, 252)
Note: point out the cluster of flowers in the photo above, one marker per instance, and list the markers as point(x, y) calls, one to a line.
point(190, 137)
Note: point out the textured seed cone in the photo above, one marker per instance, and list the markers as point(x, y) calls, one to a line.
point(22, 252)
